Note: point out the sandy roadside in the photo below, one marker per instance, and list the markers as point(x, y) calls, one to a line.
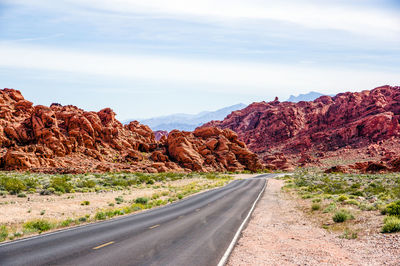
point(280, 234)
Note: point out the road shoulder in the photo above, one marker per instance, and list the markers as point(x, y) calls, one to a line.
point(280, 234)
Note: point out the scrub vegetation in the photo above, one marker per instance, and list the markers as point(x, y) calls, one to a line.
point(348, 200)
point(160, 189)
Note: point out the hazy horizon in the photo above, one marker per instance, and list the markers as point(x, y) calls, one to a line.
point(153, 58)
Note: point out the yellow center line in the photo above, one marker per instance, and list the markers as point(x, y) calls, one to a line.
point(154, 226)
point(104, 245)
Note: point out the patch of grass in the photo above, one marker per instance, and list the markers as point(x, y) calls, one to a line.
point(391, 224)
point(315, 206)
point(342, 198)
point(100, 216)
point(330, 208)
point(352, 202)
point(119, 199)
point(141, 200)
point(347, 234)
point(393, 208)
point(317, 200)
point(38, 226)
point(3, 233)
point(85, 203)
point(67, 222)
point(342, 216)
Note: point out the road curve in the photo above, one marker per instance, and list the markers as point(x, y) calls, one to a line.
point(193, 231)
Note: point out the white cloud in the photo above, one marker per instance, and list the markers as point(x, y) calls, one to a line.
point(228, 76)
point(350, 16)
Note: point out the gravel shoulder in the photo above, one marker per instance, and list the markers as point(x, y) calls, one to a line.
point(279, 233)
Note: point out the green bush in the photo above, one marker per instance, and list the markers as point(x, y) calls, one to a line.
point(119, 200)
point(100, 216)
point(61, 184)
point(352, 202)
point(342, 216)
point(85, 203)
point(391, 224)
point(38, 226)
point(67, 222)
point(21, 195)
point(331, 207)
point(393, 208)
point(342, 198)
point(3, 233)
point(82, 219)
point(315, 206)
point(142, 200)
point(12, 184)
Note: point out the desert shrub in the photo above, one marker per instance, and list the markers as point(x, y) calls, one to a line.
point(391, 224)
point(88, 183)
point(12, 184)
point(38, 226)
point(155, 196)
point(393, 208)
point(315, 206)
point(316, 200)
point(60, 183)
point(85, 203)
point(21, 195)
point(30, 182)
point(142, 200)
point(82, 219)
point(136, 207)
point(42, 212)
point(3, 233)
point(119, 212)
point(352, 202)
point(46, 192)
point(342, 198)
point(180, 196)
point(100, 216)
point(67, 222)
point(349, 235)
point(110, 213)
point(342, 216)
point(3, 193)
point(119, 200)
point(331, 207)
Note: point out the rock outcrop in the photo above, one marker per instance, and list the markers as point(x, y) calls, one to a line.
point(68, 139)
point(306, 130)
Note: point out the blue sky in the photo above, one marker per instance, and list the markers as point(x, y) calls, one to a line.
point(156, 57)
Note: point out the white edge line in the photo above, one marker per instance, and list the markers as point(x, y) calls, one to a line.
point(228, 252)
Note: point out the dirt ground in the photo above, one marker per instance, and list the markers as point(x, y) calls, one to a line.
point(281, 234)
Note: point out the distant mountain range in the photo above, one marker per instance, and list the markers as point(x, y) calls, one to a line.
point(187, 122)
point(311, 96)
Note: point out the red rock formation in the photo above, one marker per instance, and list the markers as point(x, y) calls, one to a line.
point(68, 139)
point(345, 121)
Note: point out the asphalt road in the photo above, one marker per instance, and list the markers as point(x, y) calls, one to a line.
point(193, 231)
